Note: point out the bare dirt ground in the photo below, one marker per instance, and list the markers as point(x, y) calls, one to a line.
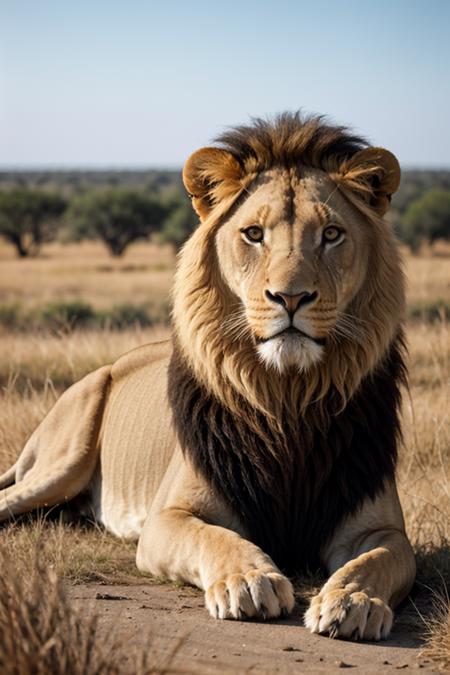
point(156, 617)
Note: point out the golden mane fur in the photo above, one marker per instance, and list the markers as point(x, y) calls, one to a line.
point(228, 367)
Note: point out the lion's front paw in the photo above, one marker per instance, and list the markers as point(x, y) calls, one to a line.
point(254, 594)
point(354, 616)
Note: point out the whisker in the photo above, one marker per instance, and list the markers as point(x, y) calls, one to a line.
point(354, 318)
point(330, 195)
point(340, 333)
point(350, 327)
point(235, 324)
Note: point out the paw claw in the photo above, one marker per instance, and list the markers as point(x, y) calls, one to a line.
point(333, 630)
point(255, 593)
point(350, 615)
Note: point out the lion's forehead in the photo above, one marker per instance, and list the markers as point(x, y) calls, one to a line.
point(297, 198)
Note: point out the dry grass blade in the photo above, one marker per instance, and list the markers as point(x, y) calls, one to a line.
point(437, 645)
point(79, 552)
point(41, 633)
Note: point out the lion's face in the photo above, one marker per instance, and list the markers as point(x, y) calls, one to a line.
point(292, 267)
point(293, 255)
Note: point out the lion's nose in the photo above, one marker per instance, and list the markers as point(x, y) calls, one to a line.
point(291, 303)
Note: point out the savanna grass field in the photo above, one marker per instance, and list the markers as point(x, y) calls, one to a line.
point(42, 353)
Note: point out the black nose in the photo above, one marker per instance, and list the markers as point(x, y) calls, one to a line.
point(292, 303)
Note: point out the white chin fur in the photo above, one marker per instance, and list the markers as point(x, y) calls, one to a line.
point(284, 351)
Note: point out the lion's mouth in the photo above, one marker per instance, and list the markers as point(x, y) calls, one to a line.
point(292, 330)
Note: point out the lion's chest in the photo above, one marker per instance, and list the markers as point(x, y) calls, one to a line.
point(291, 491)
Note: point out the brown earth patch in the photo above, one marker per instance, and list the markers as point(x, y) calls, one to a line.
point(174, 627)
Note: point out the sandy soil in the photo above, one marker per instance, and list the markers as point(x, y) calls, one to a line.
point(160, 618)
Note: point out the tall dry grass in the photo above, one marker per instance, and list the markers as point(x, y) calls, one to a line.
point(78, 551)
point(437, 645)
point(424, 472)
point(42, 633)
point(58, 360)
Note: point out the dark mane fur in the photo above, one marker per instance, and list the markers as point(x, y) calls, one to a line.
point(292, 490)
point(291, 139)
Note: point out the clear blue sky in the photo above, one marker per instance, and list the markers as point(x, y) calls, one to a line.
point(134, 83)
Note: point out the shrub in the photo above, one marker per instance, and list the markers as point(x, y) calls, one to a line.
point(66, 315)
point(180, 221)
point(431, 312)
point(124, 316)
point(10, 316)
point(427, 218)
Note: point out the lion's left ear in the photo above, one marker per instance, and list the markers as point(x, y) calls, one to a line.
point(209, 175)
point(375, 173)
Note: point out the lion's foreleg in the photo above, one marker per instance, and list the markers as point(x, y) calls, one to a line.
point(373, 570)
point(356, 601)
point(184, 539)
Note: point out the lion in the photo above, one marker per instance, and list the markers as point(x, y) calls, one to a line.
point(261, 440)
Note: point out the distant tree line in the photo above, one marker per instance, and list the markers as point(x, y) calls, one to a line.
point(117, 216)
point(421, 207)
point(120, 207)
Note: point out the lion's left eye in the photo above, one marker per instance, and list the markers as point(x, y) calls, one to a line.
point(254, 234)
point(331, 234)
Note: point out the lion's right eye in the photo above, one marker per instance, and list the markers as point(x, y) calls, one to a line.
point(253, 234)
point(331, 235)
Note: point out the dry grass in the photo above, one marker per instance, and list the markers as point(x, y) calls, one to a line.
point(42, 633)
point(424, 473)
point(59, 360)
point(35, 368)
point(438, 633)
point(428, 277)
point(73, 271)
point(79, 552)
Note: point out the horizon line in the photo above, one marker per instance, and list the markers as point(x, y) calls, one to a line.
point(61, 168)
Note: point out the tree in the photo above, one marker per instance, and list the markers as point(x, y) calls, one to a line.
point(29, 218)
point(181, 220)
point(427, 218)
point(116, 216)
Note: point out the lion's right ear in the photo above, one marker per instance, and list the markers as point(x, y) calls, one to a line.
point(210, 175)
point(375, 174)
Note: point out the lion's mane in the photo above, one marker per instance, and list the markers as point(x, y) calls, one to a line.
point(292, 454)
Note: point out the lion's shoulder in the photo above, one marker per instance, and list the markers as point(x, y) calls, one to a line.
point(141, 358)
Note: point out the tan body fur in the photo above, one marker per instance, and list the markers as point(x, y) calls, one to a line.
point(111, 437)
